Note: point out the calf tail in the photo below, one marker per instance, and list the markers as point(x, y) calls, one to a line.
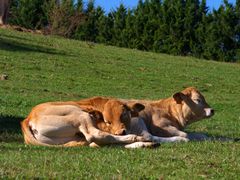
point(28, 135)
point(30, 139)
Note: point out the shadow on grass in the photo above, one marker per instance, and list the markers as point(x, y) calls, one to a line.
point(199, 136)
point(223, 139)
point(10, 130)
point(16, 38)
point(12, 44)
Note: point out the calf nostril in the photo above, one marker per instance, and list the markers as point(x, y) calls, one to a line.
point(124, 132)
point(212, 111)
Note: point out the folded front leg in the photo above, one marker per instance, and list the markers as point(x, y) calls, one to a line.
point(138, 127)
point(173, 131)
point(92, 134)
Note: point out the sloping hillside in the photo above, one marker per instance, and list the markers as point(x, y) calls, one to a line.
point(44, 68)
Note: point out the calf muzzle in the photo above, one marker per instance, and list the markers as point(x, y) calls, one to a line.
point(209, 112)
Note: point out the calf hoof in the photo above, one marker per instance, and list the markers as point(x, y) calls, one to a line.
point(181, 139)
point(183, 134)
point(94, 145)
point(142, 145)
point(139, 139)
point(154, 145)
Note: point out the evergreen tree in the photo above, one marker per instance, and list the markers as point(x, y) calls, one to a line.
point(237, 29)
point(191, 20)
point(119, 25)
point(101, 26)
point(161, 41)
point(200, 31)
point(88, 30)
point(128, 33)
point(152, 16)
point(48, 8)
point(177, 29)
point(28, 13)
point(139, 25)
point(90, 24)
point(220, 41)
point(172, 28)
point(79, 6)
point(146, 38)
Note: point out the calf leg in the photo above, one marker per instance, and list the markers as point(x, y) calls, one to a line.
point(55, 140)
point(92, 134)
point(169, 139)
point(138, 127)
point(142, 145)
point(82, 142)
point(173, 131)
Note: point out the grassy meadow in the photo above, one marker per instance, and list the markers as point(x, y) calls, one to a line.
point(44, 68)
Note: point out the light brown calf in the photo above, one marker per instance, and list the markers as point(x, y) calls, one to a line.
point(76, 123)
point(168, 117)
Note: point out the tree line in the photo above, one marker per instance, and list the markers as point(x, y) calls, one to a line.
point(177, 27)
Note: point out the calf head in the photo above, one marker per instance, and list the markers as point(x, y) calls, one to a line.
point(118, 115)
point(194, 106)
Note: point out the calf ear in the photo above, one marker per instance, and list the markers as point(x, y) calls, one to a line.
point(178, 97)
point(136, 108)
point(96, 114)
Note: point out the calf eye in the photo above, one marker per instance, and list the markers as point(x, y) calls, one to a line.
point(198, 101)
point(125, 113)
point(108, 123)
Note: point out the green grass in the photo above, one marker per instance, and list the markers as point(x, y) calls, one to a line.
point(44, 68)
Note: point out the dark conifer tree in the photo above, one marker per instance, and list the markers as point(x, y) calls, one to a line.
point(119, 25)
point(174, 23)
point(197, 47)
point(28, 13)
point(237, 27)
point(87, 31)
point(139, 25)
point(90, 30)
point(146, 37)
point(128, 33)
point(152, 16)
point(220, 38)
point(177, 30)
point(104, 27)
point(79, 5)
point(191, 20)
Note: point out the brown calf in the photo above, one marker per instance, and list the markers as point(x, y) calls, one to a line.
point(168, 117)
point(76, 123)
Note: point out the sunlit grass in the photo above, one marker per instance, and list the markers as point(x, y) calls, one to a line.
point(44, 68)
